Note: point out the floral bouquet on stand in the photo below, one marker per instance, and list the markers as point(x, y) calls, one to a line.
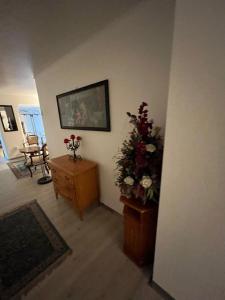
point(140, 161)
point(73, 144)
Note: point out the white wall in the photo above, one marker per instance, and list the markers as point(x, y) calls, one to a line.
point(134, 54)
point(190, 249)
point(15, 138)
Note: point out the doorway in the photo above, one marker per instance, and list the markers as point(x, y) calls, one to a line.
point(3, 151)
point(31, 122)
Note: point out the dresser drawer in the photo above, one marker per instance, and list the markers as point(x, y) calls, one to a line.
point(65, 191)
point(63, 183)
point(61, 177)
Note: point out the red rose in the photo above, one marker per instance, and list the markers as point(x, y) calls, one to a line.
point(66, 141)
point(79, 138)
point(72, 137)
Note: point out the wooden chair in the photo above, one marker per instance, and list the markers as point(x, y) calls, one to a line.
point(39, 159)
point(32, 139)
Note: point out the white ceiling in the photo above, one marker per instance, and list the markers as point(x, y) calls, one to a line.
point(35, 33)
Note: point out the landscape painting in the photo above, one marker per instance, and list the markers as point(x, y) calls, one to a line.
point(86, 108)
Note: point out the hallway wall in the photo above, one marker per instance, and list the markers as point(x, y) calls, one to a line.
point(133, 52)
point(190, 248)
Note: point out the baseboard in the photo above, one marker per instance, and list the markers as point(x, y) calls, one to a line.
point(110, 209)
point(160, 291)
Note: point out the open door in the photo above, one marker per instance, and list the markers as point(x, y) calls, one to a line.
point(31, 121)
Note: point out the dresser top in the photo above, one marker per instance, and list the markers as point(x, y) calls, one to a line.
point(74, 167)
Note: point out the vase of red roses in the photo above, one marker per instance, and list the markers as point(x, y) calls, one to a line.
point(73, 143)
point(140, 160)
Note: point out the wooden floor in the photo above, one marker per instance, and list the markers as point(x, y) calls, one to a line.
point(97, 268)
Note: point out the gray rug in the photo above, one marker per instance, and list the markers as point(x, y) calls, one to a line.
point(30, 247)
point(18, 168)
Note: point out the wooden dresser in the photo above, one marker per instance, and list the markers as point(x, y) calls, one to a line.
point(76, 181)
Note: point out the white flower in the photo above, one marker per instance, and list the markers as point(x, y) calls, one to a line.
point(155, 131)
point(146, 182)
point(129, 180)
point(150, 148)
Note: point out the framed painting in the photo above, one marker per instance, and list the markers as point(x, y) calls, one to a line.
point(86, 108)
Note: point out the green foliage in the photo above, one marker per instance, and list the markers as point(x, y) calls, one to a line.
point(139, 162)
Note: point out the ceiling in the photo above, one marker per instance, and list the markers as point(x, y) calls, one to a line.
point(35, 33)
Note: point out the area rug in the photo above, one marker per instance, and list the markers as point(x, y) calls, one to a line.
point(18, 168)
point(30, 247)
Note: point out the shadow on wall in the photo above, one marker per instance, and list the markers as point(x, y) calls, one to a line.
point(75, 21)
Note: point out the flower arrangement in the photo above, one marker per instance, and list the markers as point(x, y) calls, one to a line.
point(73, 144)
point(140, 160)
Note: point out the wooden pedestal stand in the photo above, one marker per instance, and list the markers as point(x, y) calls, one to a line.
point(140, 224)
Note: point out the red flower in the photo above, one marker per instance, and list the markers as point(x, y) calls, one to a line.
point(72, 137)
point(66, 141)
point(79, 138)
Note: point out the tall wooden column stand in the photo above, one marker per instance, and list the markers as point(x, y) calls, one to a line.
point(140, 224)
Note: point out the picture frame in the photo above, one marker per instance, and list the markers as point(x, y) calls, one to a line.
point(8, 118)
point(85, 108)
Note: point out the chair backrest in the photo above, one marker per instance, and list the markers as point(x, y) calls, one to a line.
point(32, 139)
point(44, 151)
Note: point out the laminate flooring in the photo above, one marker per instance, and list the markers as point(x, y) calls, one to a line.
point(97, 267)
